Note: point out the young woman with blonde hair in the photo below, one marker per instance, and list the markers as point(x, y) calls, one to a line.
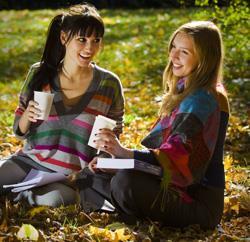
point(186, 141)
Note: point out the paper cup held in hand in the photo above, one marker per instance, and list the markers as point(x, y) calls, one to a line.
point(101, 122)
point(44, 100)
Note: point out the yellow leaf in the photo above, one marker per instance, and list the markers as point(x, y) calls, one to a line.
point(27, 231)
point(236, 208)
point(101, 232)
point(226, 200)
point(34, 211)
point(120, 235)
point(117, 235)
point(228, 160)
point(4, 225)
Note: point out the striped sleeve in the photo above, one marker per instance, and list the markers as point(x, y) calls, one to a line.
point(23, 102)
point(116, 110)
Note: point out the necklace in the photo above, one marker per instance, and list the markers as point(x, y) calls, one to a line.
point(83, 74)
point(66, 74)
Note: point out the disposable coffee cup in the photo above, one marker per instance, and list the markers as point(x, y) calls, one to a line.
point(44, 100)
point(101, 122)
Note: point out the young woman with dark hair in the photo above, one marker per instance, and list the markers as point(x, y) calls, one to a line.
point(81, 89)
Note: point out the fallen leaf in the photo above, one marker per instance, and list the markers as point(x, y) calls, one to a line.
point(121, 235)
point(28, 231)
point(34, 211)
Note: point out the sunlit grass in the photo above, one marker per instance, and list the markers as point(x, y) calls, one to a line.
point(135, 48)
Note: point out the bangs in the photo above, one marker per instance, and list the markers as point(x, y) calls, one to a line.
point(86, 26)
point(91, 26)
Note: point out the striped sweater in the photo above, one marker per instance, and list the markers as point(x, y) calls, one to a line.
point(189, 143)
point(60, 143)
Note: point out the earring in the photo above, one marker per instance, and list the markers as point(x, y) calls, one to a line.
point(62, 60)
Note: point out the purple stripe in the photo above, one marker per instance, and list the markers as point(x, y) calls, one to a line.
point(82, 124)
point(22, 98)
point(64, 149)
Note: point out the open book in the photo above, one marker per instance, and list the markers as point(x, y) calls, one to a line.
point(36, 178)
point(111, 163)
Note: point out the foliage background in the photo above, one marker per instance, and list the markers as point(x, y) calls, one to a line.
point(41, 4)
point(135, 49)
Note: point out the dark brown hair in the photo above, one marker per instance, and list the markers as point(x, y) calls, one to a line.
point(80, 19)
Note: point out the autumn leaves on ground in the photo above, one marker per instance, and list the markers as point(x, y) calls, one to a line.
point(135, 49)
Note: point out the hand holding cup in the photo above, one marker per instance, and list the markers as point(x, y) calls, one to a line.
point(44, 101)
point(101, 122)
point(32, 111)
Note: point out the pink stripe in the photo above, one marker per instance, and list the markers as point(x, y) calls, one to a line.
point(53, 118)
point(82, 124)
point(58, 163)
point(19, 112)
point(64, 149)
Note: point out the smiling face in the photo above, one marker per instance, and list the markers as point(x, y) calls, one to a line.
point(80, 50)
point(182, 55)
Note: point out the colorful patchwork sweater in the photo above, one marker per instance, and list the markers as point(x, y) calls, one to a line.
point(60, 143)
point(189, 143)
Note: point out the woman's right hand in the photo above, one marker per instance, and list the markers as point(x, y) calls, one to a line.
point(32, 112)
point(107, 141)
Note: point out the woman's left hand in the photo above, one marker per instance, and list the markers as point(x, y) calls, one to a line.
point(71, 178)
point(107, 141)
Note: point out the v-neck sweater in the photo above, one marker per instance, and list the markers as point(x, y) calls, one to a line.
point(60, 143)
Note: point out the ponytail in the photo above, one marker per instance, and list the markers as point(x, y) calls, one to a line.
point(53, 53)
point(83, 19)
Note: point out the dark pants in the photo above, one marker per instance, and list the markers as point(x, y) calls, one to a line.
point(138, 195)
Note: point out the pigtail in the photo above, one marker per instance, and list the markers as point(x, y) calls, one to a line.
point(54, 50)
point(53, 53)
point(80, 19)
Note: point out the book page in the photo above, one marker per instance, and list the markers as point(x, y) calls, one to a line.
point(110, 163)
point(36, 178)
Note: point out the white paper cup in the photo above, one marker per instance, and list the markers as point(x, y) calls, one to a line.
point(101, 122)
point(44, 100)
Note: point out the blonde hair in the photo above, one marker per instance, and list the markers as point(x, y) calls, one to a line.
point(208, 47)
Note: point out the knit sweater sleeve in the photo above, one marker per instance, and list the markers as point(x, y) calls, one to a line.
point(23, 103)
point(116, 110)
